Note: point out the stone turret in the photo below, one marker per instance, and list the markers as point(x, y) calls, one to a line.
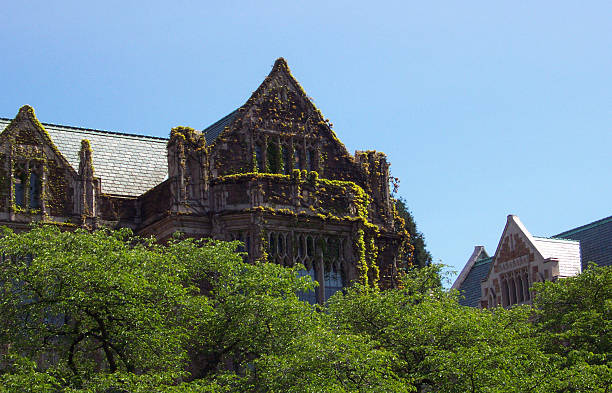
point(376, 168)
point(188, 168)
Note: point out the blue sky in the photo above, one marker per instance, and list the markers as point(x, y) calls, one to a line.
point(484, 108)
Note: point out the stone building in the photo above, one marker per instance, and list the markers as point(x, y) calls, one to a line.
point(272, 174)
point(522, 259)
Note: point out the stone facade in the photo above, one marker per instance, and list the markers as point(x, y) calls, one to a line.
point(272, 174)
point(520, 260)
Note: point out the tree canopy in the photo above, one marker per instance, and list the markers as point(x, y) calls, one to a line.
point(109, 312)
point(420, 256)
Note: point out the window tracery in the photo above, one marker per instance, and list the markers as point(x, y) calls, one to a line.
point(322, 256)
point(334, 281)
point(311, 296)
point(515, 288)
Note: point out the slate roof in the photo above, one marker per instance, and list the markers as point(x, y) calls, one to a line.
point(212, 132)
point(470, 288)
point(567, 252)
point(127, 164)
point(595, 241)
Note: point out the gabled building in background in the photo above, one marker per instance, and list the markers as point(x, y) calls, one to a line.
point(272, 174)
point(522, 259)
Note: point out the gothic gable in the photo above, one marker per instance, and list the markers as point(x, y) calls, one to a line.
point(34, 176)
point(522, 259)
point(516, 247)
point(29, 138)
point(279, 129)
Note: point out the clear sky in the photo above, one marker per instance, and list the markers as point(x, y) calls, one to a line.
point(485, 108)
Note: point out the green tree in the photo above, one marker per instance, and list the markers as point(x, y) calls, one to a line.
point(440, 346)
point(93, 300)
point(420, 256)
point(573, 317)
point(107, 310)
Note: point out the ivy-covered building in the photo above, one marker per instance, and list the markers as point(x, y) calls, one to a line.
point(272, 174)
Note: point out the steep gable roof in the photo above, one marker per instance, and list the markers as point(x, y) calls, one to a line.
point(279, 76)
point(470, 288)
point(479, 265)
point(567, 253)
point(514, 224)
point(26, 123)
point(127, 164)
point(214, 130)
point(478, 254)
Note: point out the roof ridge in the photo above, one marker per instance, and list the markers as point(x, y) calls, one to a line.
point(552, 239)
point(584, 227)
point(483, 261)
point(93, 129)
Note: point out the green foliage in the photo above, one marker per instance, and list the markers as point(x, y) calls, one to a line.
point(574, 313)
point(105, 312)
point(362, 263)
point(79, 295)
point(420, 256)
point(326, 360)
point(438, 345)
point(573, 317)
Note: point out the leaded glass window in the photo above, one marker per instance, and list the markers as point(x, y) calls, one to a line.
point(333, 281)
point(310, 296)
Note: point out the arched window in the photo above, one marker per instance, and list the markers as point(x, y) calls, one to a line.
point(519, 289)
point(298, 159)
point(332, 249)
point(18, 189)
point(259, 158)
point(287, 161)
point(310, 160)
point(310, 296)
point(300, 246)
point(272, 244)
point(310, 246)
point(526, 287)
point(281, 244)
point(273, 156)
point(512, 291)
point(333, 281)
point(505, 294)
